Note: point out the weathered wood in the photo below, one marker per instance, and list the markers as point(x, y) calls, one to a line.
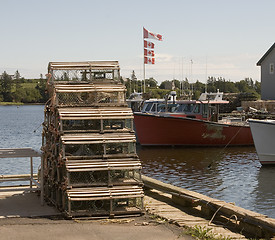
point(25, 176)
point(18, 153)
point(161, 205)
point(83, 65)
point(211, 207)
point(91, 113)
point(22, 153)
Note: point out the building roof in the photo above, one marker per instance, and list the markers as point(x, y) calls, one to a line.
point(265, 55)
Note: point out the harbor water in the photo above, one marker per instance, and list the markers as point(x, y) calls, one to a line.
point(230, 174)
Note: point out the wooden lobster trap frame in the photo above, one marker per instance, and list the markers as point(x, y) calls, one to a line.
point(89, 146)
point(100, 201)
point(90, 71)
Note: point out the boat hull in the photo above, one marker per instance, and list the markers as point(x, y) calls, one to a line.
point(168, 130)
point(263, 132)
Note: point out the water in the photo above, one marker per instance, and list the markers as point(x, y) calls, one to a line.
point(231, 174)
point(18, 125)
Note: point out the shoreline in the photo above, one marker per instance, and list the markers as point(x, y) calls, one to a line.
point(18, 103)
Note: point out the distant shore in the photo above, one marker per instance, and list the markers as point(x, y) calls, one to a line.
point(18, 103)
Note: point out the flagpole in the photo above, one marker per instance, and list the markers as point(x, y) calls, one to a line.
point(150, 55)
point(143, 61)
point(144, 74)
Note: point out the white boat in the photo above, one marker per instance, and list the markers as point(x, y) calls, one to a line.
point(263, 132)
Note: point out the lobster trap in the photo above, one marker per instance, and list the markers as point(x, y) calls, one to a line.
point(100, 201)
point(89, 147)
point(87, 72)
point(89, 95)
point(103, 172)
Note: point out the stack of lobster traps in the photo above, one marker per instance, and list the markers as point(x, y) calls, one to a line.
point(90, 163)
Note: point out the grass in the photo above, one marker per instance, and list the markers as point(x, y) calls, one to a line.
point(11, 103)
point(204, 233)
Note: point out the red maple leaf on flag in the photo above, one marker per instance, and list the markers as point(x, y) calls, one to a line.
point(149, 53)
point(149, 44)
point(148, 60)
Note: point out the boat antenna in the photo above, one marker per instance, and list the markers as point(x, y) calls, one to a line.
point(206, 76)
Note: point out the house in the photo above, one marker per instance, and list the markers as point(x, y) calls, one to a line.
point(267, 63)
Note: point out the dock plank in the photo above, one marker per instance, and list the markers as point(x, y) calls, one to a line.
point(161, 204)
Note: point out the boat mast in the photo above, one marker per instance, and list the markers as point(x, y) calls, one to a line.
point(206, 75)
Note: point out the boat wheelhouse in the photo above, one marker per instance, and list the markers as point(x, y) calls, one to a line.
point(205, 108)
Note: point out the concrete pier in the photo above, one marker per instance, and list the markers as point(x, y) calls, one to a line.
point(22, 217)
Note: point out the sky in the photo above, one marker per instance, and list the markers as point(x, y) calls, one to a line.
point(201, 38)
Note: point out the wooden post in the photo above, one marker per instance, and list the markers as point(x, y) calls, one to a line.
point(31, 174)
point(42, 182)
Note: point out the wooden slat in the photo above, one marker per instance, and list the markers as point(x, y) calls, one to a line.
point(95, 138)
point(18, 153)
point(112, 65)
point(90, 113)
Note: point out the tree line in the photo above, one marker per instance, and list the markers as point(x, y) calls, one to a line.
point(14, 88)
point(185, 89)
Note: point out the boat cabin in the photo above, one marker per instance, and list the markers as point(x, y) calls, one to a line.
point(206, 108)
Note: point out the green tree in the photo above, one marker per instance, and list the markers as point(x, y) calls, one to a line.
point(151, 83)
point(257, 87)
point(19, 95)
point(176, 83)
point(6, 87)
point(162, 85)
point(17, 79)
point(31, 96)
point(42, 88)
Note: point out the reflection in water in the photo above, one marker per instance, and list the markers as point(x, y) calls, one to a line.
point(265, 190)
point(231, 174)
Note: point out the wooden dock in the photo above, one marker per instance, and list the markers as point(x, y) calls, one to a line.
point(188, 209)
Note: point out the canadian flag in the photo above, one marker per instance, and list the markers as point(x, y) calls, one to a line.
point(148, 60)
point(149, 44)
point(149, 53)
point(147, 34)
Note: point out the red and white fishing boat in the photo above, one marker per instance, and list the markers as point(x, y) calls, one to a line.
point(189, 123)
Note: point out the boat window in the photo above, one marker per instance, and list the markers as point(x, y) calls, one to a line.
point(153, 109)
point(172, 108)
point(161, 108)
point(196, 108)
point(148, 107)
point(205, 110)
point(188, 108)
point(180, 107)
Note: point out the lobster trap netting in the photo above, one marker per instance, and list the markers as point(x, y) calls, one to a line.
point(128, 176)
point(120, 148)
point(84, 149)
point(84, 75)
point(117, 124)
point(127, 204)
point(88, 178)
point(89, 98)
point(81, 125)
